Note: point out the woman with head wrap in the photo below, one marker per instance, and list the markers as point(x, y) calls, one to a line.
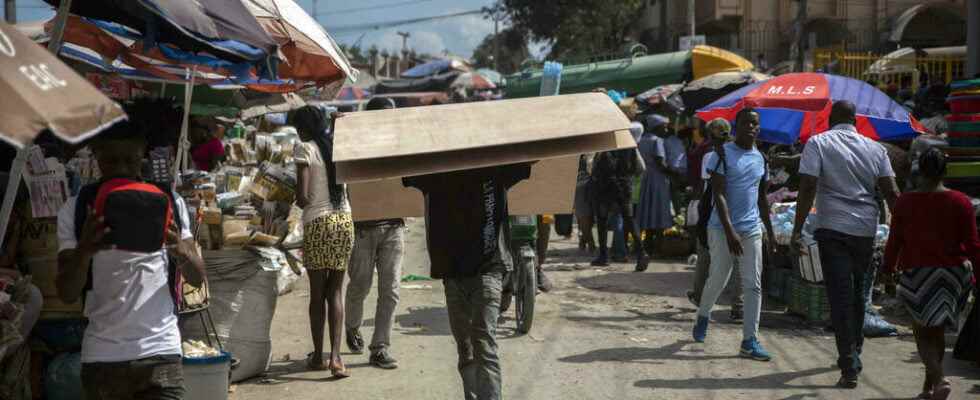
point(328, 232)
point(653, 211)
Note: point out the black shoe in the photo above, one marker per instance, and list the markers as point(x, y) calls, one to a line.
point(600, 262)
point(354, 341)
point(544, 284)
point(382, 360)
point(642, 263)
point(694, 300)
point(736, 314)
point(846, 382)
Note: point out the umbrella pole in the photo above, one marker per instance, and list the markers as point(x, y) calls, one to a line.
point(17, 168)
point(183, 144)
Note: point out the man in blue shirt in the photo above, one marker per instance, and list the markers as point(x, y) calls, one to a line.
point(735, 230)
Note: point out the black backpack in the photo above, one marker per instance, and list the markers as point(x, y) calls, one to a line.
point(707, 205)
point(86, 198)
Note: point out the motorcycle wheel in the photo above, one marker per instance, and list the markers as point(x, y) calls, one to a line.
point(526, 291)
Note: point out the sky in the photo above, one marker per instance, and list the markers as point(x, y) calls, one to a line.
point(458, 35)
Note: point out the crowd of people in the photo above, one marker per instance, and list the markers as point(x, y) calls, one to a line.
point(720, 185)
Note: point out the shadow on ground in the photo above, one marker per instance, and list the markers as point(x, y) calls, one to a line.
point(776, 381)
point(424, 321)
point(646, 355)
point(671, 284)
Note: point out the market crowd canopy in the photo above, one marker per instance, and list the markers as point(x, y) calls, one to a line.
point(40, 92)
point(634, 75)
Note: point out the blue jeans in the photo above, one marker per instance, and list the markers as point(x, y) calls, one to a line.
point(845, 260)
point(619, 236)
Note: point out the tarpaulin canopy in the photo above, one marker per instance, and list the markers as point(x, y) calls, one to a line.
point(434, 83)
point(40, 92)
point(797, 106)
point(310, 53)
point(435, 67)
point(223, 28)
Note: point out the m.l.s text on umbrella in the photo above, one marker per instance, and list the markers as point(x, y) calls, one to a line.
point(42, 77)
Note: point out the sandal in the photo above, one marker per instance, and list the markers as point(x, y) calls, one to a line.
point(314, 367)
point(942, 390)
point(339, 373)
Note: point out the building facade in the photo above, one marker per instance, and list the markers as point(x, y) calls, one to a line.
point(767, 28)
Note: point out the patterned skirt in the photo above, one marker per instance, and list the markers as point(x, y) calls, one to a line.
point(935, 296)
point(327, 242)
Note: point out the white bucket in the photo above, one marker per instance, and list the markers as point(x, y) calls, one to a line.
point(207, 378)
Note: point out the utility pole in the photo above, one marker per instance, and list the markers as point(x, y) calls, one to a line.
point(10, 11)
point(497, 14)
point(405, 36)
point(801, 38)
point(315, 9)
point(973, 39)
point(691, 18)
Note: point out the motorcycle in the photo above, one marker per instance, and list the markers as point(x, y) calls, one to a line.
point(520, 285)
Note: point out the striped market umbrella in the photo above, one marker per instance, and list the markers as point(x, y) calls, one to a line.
point(794, 107)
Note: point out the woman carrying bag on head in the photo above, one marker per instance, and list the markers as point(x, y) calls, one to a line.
point(328, 232)
point(932, 243)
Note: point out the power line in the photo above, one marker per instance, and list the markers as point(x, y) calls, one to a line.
point(369, 8)
point(392, 24)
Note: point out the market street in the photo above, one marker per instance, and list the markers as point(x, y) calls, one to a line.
point(610, 334)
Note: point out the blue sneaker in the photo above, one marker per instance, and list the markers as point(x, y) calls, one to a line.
point(751, 348)
point(700, 329)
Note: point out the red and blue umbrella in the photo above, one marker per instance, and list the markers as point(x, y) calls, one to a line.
point(794, 107)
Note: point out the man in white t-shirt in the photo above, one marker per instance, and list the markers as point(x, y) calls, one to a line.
point(132, 345)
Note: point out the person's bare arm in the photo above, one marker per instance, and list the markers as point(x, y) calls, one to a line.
point(718, 187)
point(185, 251)
point(74, 264)
point(303, 185)
point(804, 203)
point(889, 190)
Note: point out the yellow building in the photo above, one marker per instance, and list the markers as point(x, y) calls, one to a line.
point(767, 27)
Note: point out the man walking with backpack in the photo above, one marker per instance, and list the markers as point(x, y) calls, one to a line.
point(735, 229)
point(123, 244)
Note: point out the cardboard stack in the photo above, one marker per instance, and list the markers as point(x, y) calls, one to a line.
point(375, 149)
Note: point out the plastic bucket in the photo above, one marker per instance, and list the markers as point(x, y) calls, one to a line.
point(207, 378)
point(964, 104)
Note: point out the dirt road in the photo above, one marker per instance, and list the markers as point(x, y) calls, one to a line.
point(602, 334)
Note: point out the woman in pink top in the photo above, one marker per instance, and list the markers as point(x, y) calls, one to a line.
point(933, 240)
point(208, 150)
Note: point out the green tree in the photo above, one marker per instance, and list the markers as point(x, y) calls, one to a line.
point(576, 28)
point(513, 51)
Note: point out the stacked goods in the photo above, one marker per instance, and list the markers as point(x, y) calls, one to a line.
point(964, 123)
point(808, 300)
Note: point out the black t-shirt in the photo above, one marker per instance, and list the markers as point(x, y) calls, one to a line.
point(466, 219)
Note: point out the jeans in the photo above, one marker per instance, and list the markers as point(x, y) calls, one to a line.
point(845, 260)
point(376, 248)
point(701, 270)
point(474, 305)
point(619, 249)
point(722, 261)
point(153, 378)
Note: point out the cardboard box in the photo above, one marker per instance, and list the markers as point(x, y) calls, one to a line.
point(38, 237)
point(550, 190)
point(211, 215)
point(44, 271)
point(376, 145)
